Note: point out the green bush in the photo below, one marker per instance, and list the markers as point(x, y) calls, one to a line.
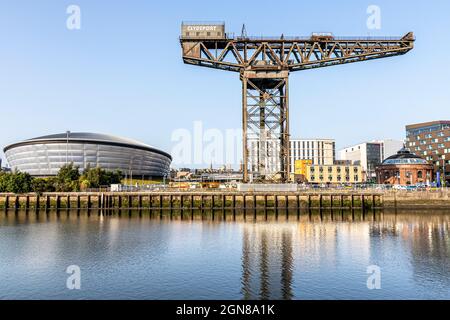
point(67, 180)
point(97, 177)
point(41, 185)
point(15, 182)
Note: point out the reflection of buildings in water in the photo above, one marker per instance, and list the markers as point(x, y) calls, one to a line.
point(430, 247)
point(269, 250)
point(425, 235)
point(267, 261)
point(325, 244)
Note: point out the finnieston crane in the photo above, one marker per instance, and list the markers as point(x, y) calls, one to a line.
point(264, 65)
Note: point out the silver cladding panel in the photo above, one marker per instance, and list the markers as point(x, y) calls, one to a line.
point(45, 159)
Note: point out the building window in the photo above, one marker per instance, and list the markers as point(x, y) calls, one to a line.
point(419, 174)
point(356, 178)
point(330, 169)
point(338, 178)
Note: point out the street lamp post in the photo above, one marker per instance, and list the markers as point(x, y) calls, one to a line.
point(67, 147)
point(443, 178)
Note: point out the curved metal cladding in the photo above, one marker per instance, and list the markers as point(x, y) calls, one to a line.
point(44, 156)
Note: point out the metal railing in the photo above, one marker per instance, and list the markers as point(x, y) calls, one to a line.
point(310, 38)
point(202, 23)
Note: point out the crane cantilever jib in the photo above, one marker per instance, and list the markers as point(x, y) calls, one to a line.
point(264, 64)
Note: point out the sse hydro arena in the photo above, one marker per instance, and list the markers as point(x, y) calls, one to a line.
point(44, 156)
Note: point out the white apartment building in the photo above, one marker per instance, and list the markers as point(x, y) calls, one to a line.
point(319, 151)
point(370, 154)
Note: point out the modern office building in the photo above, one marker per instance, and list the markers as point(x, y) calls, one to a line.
point(431, 140)
point(334, 174)
point(319, 151)
point(390, 147)
point(44, 156)
point(370, 154)
point(404, 168)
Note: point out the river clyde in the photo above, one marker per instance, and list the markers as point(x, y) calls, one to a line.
point(314, 255)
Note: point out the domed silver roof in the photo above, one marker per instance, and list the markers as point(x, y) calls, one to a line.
point(98, 138)
point(404, 156)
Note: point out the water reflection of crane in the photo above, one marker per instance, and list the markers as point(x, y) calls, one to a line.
point(267, 262)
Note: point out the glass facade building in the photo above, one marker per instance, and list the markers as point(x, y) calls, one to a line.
point(44, 156)
point(431, 140)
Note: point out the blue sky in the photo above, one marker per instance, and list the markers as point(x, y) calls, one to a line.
point(122, 73)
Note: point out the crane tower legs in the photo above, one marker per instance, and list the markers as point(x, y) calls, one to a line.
point(265, 122)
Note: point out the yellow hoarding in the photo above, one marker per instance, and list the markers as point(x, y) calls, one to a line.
point(301, 165)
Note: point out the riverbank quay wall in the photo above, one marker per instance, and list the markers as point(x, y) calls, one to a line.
point(417, 199)
point(191, 200)
point(228, 200)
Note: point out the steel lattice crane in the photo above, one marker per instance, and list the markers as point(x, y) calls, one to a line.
point(264, 65)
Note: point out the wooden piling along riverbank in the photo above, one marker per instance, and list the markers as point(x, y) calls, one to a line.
point(191, 201)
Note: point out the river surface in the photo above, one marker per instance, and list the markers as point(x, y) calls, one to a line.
point(313, 256)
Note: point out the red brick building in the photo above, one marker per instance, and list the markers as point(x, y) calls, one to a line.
point(404, 168)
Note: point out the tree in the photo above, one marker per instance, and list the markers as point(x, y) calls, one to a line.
point(67, 179)
point(40, 185)
point(15, 182)
point(97, 177)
